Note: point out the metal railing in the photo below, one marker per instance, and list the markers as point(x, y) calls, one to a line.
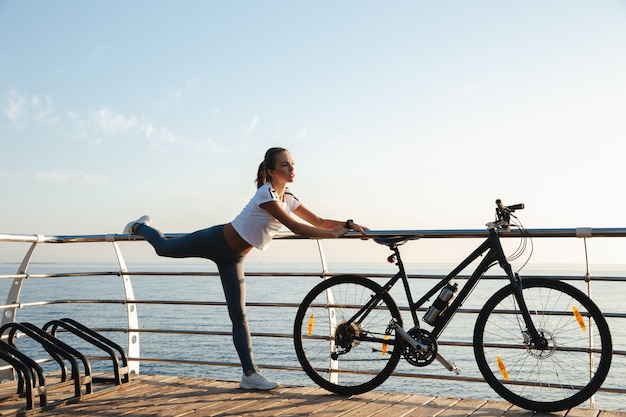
point(132, 328)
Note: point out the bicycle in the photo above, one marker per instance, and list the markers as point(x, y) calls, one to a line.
point(540, 343)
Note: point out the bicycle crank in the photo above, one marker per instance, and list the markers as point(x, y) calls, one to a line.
point(422, 349)
point(449, 365)
point(425, 350)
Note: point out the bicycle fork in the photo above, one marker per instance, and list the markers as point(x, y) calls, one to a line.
point(536, 339)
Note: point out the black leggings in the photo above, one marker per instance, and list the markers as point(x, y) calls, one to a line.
point(211, 244)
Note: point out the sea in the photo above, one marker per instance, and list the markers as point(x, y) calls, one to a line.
point(45, 299)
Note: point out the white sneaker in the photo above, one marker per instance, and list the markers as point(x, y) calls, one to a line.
point(130, 226)
point(257, 381)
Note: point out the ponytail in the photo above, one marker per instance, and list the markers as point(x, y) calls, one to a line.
point(262, 175)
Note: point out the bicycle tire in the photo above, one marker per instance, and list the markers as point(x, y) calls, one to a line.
point(367, 363)
point(560, 377)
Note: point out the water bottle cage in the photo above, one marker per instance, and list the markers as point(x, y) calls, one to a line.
point(440, 305)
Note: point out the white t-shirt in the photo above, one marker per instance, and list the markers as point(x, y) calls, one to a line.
point(255, 225)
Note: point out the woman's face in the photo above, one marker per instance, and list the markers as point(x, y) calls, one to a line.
point(284, 168)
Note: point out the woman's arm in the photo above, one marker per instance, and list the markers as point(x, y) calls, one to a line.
point(312, 218)
point(275, 209)
point(319, 228)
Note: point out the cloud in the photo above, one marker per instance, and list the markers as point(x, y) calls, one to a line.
point(212, 146)
point(177, 94)
point(57, 175)
point(113, 123)
point(93, 178)
point(98, 126)
point(22, 108)
point(471, 88)
point(45, 109)
point(251, 125)
point(61, 175)
point(16, 106)
point(160, 134)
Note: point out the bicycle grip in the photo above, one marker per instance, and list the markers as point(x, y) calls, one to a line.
point(511, 208)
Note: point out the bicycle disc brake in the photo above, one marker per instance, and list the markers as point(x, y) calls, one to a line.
point(547, 348)
point(424, 356)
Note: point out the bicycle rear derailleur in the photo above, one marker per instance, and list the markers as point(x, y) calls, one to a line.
point(346, 337)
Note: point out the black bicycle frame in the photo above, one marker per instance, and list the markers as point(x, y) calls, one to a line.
point(495, 254)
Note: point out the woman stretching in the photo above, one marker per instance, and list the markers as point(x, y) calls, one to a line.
point(227, 245)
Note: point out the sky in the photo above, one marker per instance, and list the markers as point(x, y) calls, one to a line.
point(400, 115)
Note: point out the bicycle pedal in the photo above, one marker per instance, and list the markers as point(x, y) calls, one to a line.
point(449, 365)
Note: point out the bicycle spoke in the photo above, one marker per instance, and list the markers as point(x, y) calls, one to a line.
point(561, 375)
point(340, 355)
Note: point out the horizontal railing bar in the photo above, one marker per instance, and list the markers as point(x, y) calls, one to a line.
point(418, 233)
point(483, 233)
point(613, 390)
point(217, 304)
point(301, 274)
point(266, 335)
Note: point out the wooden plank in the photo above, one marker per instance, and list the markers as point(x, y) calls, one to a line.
point(230, 400)
point(492, 409)
point(515, 411)
point(346, 406)
point(381, 405)
point(434, 407)
point(464, 407)
point(407, 405)
point(583, 412)
point(168, 396)
point(210, 397)
point(295, 401)
point(365, 404)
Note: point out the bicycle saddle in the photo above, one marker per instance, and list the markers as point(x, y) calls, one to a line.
point(394, 240)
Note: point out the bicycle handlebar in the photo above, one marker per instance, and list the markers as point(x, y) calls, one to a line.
point(504, 214)
point(509, 209)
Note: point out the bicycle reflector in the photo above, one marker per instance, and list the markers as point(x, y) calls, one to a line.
point(579, 318)
point(502, 368)
point(310, 325)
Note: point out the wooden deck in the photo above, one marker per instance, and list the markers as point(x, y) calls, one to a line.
point(148, 395)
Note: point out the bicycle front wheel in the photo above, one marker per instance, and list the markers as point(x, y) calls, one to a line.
point(567, 370)
point(342, 355)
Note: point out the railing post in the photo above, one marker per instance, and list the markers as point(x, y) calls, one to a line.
point(592, 399)
point(9, 313)
point(332, 322)
point(320, 249)
point(131, 310)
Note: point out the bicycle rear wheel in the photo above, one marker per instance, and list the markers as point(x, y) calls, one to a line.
point(345, 357)
point(560, 376)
